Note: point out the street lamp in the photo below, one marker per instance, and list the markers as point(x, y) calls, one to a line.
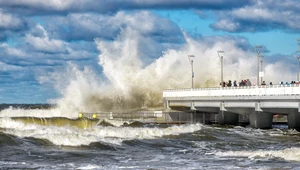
point(191, 62)
point(298, 40)
point(258, 69)
point(261, 68)
point(221, 59)
point(298, 68)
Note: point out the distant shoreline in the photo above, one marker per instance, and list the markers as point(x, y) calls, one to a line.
point(27, 106)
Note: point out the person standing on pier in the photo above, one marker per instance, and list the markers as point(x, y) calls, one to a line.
point(234, 83)
point(248, 82)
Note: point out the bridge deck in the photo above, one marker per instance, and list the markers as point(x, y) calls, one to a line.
point(257, 91)
point(259, 103)
point(259, 98)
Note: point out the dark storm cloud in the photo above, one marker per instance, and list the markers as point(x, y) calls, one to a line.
point(31, 7)
point(231, 15)
point(71, 38)
point(88, 26)
point(12, 25)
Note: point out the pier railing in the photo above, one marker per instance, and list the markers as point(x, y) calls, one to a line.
point(143, 116)
point(266, 90)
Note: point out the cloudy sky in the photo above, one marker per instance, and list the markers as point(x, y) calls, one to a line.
point(43, 44)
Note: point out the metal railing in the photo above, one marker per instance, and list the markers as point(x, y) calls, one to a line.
point(266, 90)
point(234, 87)
point(171, 117)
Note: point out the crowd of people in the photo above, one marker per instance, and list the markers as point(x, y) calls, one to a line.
point(248, 83)
point(235, 84)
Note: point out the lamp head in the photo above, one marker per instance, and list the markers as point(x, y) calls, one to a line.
point(256, 47)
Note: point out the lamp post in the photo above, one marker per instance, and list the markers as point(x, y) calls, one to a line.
point(298, 40)
point(258, 69)
point(221, 59)
point(191, 62)
point(298, 68)
point(261, 68)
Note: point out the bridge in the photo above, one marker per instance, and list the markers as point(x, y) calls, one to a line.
point(259, 103)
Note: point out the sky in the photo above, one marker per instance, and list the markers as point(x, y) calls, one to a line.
point(51, 50)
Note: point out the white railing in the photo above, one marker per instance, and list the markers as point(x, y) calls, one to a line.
point(269, 90)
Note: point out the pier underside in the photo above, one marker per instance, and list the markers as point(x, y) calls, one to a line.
point(258, 117)
point(258, 103)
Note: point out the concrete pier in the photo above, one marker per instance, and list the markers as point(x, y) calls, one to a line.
point(294, 120)
point(261, 120)
point(228, 118)
point(259, 103)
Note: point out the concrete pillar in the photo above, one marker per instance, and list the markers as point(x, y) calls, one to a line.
point(261, 120)
point(227, 118)
point(166, 103)
point(293, 119)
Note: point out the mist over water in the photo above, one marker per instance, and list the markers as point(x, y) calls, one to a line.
point(132, 80)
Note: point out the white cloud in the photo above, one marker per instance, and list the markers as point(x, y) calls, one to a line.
point(227, 25)
point(8, 51)
point(104, 6)
point(8, 21)
point(253, 13)
point(51, 4)
point(45, 44)
point(88, 26)
point(261, 16)
point(8, 68)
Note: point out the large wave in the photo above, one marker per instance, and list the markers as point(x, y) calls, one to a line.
point(131, 79)
point(78, 135)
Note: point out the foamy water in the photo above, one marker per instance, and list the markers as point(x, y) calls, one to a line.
point(72, 136)
point(190, 146)
point(289, 154)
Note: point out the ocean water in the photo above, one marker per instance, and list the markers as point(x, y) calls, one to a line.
point(69, 143)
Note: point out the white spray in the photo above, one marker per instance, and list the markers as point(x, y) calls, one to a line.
point(130, 83)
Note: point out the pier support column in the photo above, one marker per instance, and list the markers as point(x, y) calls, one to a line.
point(166, 103)
point(261, 120)
point(227, 118)
point(293, 119)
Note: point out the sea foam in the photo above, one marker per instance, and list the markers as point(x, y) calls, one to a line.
point(72, 136)
point(289, 154)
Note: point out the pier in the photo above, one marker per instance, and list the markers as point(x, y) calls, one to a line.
point(230, 104)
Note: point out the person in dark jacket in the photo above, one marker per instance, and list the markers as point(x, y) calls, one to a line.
point(229, 83)
point(242, 83)
point(234, 83)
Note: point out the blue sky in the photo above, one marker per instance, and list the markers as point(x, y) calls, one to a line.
point(276, 40)
point(40, 39)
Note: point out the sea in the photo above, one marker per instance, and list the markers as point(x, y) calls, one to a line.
point(30, 141)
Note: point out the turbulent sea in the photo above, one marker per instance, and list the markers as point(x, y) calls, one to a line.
point(64, 143)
